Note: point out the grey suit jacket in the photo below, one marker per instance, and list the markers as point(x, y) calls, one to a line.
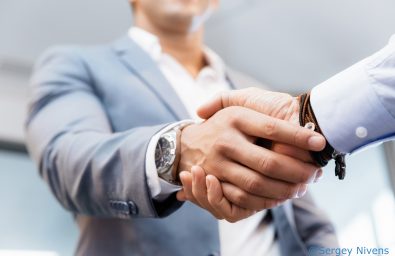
point(92, 113)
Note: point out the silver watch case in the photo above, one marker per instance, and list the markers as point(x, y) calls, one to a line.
point(165, 154)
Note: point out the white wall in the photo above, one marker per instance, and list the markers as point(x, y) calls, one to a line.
point(290, 45)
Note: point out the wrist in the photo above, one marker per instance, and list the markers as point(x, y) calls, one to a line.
point(186, 149)
point(306, 116)
point(167, 153)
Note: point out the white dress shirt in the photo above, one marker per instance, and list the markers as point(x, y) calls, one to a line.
point(249, 237)
point(357, 107)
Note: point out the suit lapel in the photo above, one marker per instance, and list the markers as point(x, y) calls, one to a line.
point(288, 237)
point(141, 64)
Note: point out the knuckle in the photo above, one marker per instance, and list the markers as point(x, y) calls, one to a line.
point(267, 165)
point(290, 192)
point(240, 197)
point(220, 145)
point(298, 136)
point(234, 116)
point(224, 143)
point(252, 186)
point(270, 128)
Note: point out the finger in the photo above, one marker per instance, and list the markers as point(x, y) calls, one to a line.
point(294, 152)
point(269, 163)
point(243, 98)
point(212, 106)
point(232, 213)
point(186, 180)
point(319, 175)
point(258, 184)
point(245, 200)
point(199, 190)
point(181, 196)
point(262, 126)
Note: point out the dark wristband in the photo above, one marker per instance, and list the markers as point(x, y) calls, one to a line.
point(322, 158)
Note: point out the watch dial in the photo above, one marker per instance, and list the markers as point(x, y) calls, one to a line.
point(163, 154)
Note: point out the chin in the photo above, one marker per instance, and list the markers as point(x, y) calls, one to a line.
point(191, 7)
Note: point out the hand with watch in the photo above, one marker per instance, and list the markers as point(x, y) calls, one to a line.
point(215, 193)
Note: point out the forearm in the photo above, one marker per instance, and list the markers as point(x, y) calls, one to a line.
point(90, 167)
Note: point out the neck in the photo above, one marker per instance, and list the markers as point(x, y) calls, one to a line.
point(185, 47)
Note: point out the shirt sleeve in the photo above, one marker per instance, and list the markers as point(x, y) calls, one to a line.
point(356, 107)
point(160, 189)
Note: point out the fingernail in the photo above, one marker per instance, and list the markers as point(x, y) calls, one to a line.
point(208, 183)
point(316, 142)
point(302, 191)
point(312, 177)
point(318, 176)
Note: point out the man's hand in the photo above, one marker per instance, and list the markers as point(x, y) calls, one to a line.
point(224, 147)
point(208, 193)
point(236, 202)
point(279, 105)
point(274, 104)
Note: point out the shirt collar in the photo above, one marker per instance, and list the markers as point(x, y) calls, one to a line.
point(147, 41)
point(150, 44)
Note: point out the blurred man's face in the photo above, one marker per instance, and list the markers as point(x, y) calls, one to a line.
point(175, 15)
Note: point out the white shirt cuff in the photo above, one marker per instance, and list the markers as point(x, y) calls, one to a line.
point(349, 109)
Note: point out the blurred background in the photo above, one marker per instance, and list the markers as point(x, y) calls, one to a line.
point(287, 44)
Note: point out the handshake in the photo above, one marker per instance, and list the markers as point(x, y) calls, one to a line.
point(249, 154)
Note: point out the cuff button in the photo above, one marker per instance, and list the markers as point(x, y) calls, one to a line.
point(361, 132)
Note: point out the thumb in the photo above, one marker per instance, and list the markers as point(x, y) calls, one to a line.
point(215, 104)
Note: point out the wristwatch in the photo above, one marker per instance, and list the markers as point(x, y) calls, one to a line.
point(167, 153)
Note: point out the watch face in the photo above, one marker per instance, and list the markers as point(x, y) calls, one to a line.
point(164, 154)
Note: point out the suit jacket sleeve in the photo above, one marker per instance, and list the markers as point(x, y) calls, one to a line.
point(90, 169)
point(357, 107)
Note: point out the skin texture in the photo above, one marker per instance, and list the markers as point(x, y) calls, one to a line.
point(227, 201)
point(240, 173)
point(252, 177)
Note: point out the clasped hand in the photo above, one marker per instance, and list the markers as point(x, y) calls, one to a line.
point(224, 171)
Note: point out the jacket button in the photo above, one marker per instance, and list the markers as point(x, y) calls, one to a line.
point(133, 210)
